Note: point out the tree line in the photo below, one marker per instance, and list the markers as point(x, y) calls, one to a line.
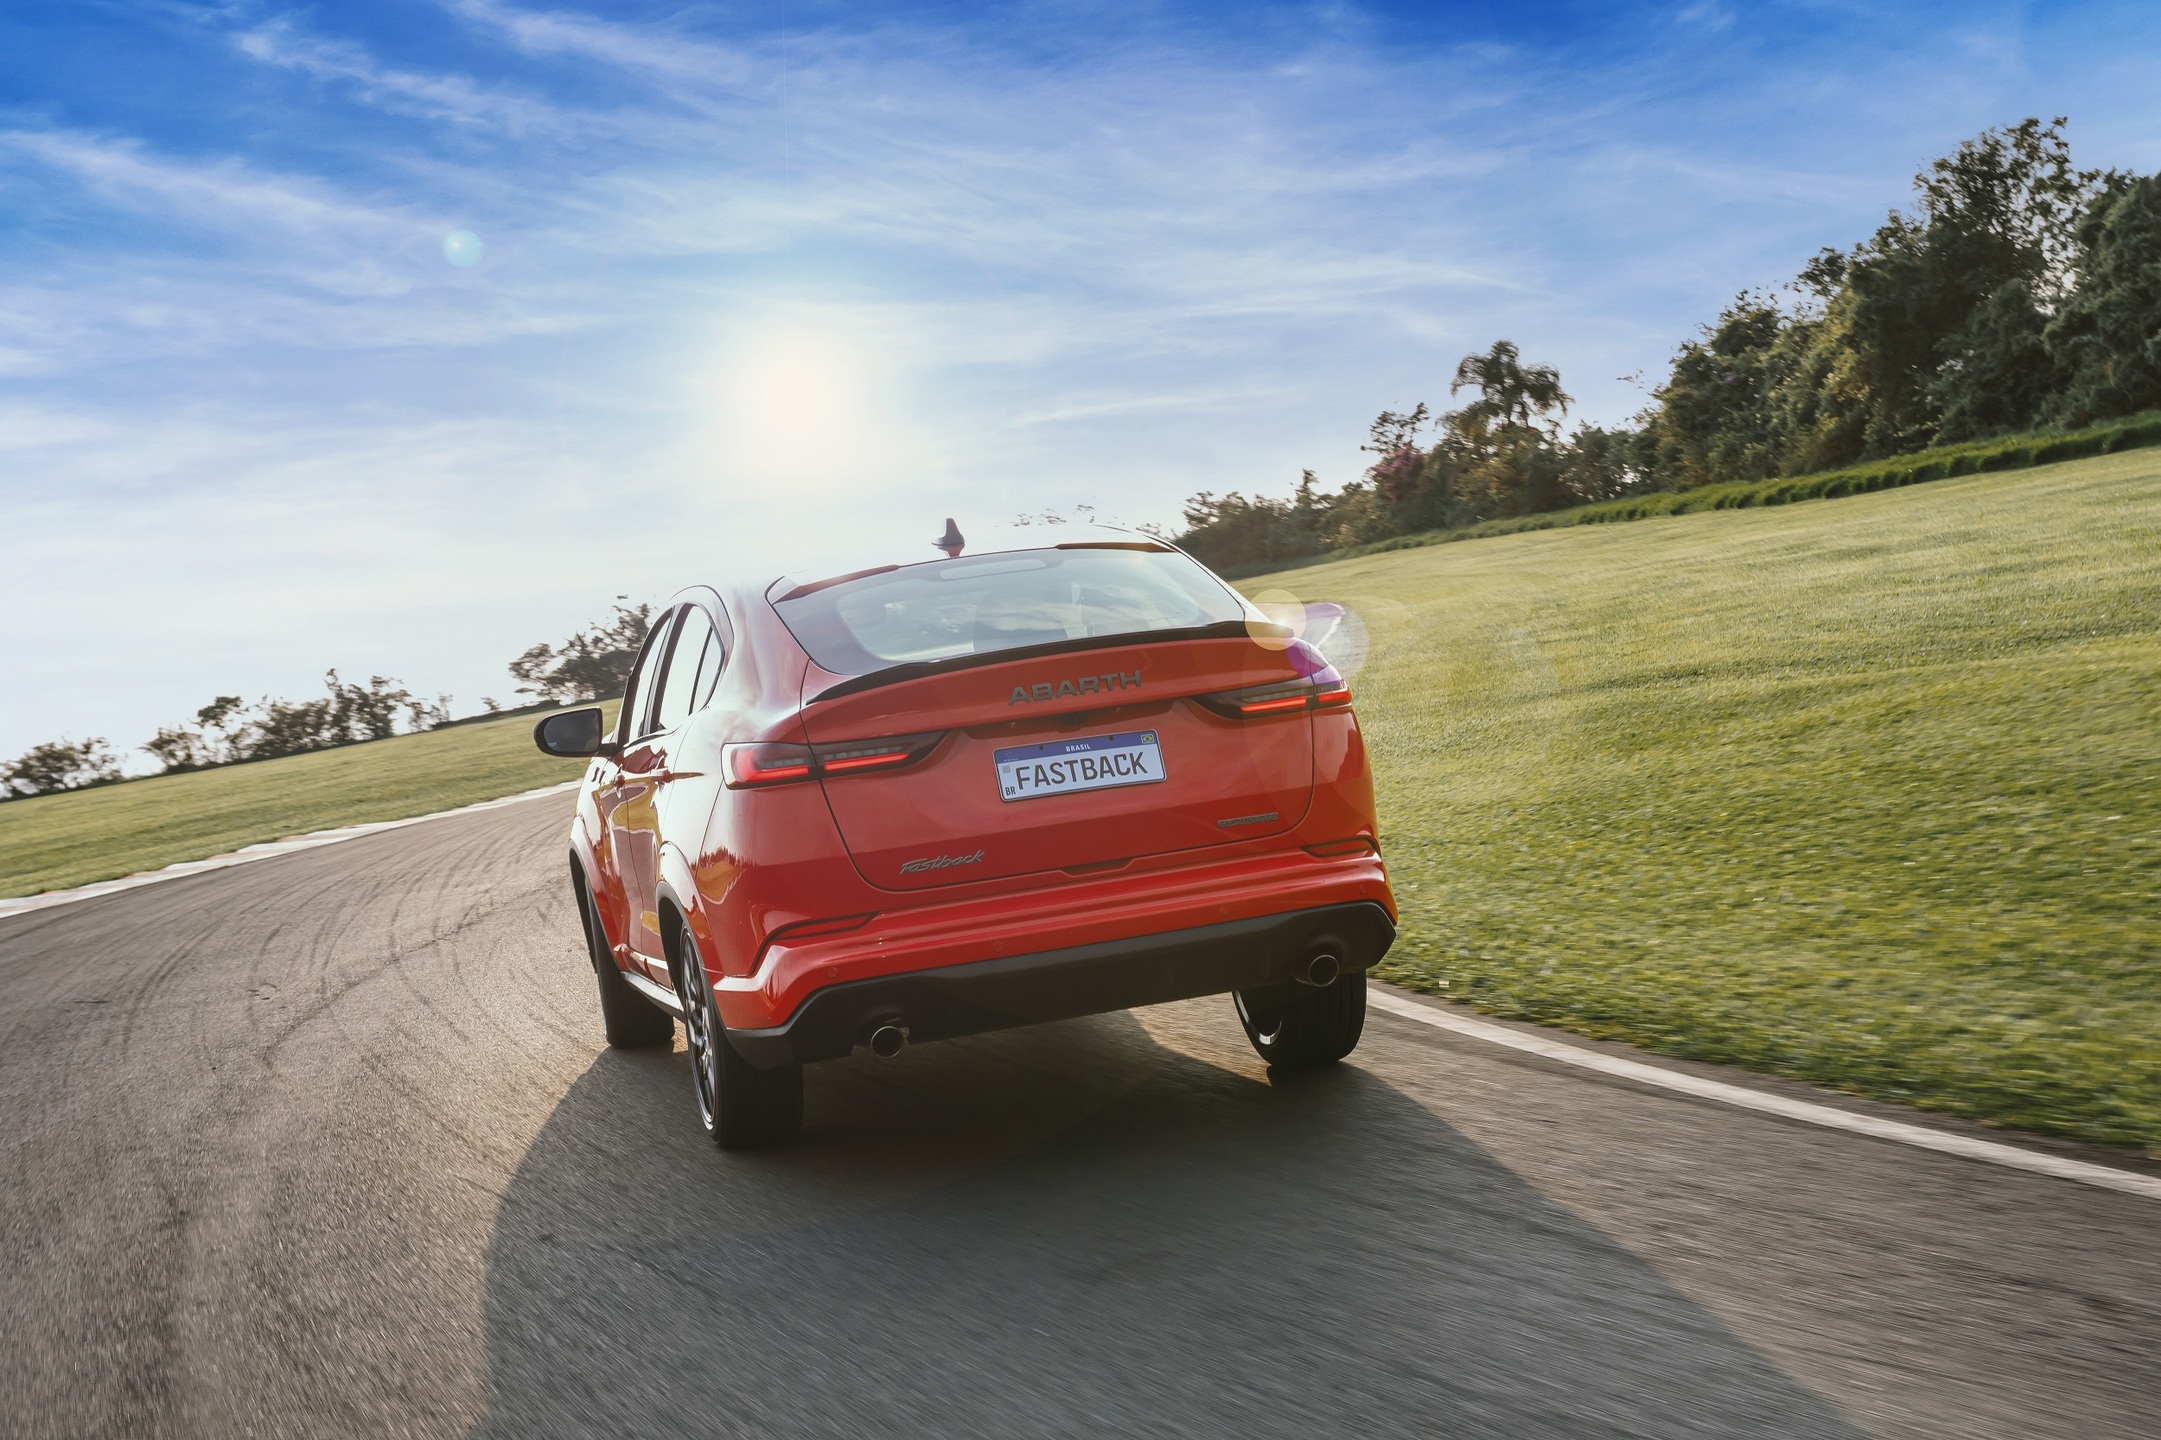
point(2018, 293)
point(592, 664)
point(229, 730)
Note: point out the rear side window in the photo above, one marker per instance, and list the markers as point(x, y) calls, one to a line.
point(987, 603)
point(692, 672)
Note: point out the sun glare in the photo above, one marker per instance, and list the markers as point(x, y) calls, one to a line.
point(804, 402)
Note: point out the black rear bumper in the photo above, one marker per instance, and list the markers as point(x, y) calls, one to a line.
point(1257, 954)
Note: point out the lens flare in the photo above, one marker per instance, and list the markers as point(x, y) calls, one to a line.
point(463, 249)
point(1285, 609)
point(1336, 631)
point(1330, 627)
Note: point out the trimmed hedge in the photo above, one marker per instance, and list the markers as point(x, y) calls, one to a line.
point(2015, 452)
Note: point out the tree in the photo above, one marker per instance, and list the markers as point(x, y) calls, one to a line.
point(1715, 411)
point(286, 727)
point(227, 729)
point(2106, 339)
point(1510, 394)
point(348, 714)
point(422, 714)
point(177, 748)
point(59, 765)
point(591, 665)
point(365, 712)
point(214, 741)
point(1601, 464)
point(1937, 328)
point(2001, 209)
point(1497, 455)
point(214, 715)
point(1997, 372)
point(1393, 439)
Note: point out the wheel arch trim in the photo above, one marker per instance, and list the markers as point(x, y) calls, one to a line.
point(675, 902)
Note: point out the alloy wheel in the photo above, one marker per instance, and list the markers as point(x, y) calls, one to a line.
point(700, 1026)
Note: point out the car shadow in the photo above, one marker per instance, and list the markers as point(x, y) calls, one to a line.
point(1074, 1230)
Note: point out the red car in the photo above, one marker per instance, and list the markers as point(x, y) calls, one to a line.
point(1059, 777)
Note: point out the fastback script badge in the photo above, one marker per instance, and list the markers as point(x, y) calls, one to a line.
point(940, 862)
point(1085, 685)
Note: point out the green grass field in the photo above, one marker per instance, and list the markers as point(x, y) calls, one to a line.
point(56, 841)
point(1864, 791)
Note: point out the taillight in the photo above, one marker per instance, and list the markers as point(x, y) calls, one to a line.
point(749, 766)
point(1334, 693)
point(1319, 686)
point(1323, 690)
point(844, 757)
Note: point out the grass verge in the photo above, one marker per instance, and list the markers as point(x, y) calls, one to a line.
point(1866, 794)
point(53, 842)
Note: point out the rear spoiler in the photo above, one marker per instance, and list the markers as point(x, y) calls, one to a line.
point(918, 669)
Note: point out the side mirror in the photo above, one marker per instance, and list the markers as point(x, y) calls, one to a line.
point(572, 735)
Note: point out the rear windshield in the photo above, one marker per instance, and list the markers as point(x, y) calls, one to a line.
point(987, 603)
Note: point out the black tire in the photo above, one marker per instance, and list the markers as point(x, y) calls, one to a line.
point(739, 1104)
point(1312, 1027)
point(631, 1021)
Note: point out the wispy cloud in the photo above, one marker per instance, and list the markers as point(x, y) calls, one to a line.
point(222, 253)
point(226, 194)
point(456, 98)
point(655, 50)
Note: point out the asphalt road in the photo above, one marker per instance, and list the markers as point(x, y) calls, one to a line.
point(329, 1145)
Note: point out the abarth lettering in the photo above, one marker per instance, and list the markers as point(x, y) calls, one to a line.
point(1084, 685)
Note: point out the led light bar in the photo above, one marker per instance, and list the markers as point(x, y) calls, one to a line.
point(773, 763)
point(1322, 690)
point(749, 766)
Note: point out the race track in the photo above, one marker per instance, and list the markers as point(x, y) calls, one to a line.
point(329, 1145)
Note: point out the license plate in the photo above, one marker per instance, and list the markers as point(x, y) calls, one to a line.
point(1060, 767)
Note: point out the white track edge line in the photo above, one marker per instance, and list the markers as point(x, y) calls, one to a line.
point(1829, 1117)
point(268, 850)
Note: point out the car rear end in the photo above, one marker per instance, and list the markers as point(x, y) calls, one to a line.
point(1067, 779)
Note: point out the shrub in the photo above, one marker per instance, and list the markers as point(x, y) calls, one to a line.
point(59, 765)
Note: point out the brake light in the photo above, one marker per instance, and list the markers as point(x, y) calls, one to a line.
point(750, 766)
point(877, 761)
point(1322, 690)
point(851, 755)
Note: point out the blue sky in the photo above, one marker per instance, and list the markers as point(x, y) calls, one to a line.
point(757, 281)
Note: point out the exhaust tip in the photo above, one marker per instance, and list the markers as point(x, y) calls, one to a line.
point(1322, 970)
point(887, 1041)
